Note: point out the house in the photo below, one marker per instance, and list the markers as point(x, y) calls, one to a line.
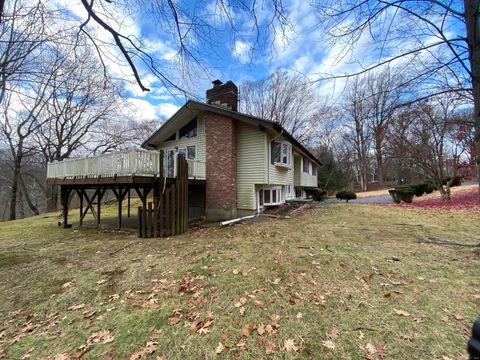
point(238, 163)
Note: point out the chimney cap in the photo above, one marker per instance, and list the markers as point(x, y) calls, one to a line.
point(217, 82)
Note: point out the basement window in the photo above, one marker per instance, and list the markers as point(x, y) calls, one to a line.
point(270, 196)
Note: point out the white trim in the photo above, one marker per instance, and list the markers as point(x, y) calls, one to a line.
point(284, 145)
point(279, 196)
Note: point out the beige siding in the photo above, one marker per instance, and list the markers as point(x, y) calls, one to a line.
point(199, 141)
point(278, 175)
point(298, 170)
point(308, 179)
point(251, 164)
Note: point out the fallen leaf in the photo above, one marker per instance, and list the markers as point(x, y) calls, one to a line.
point(289, 345)
point(329, 344)
point(149, 349)
point(100, 282)
point(401, 312)
point(276, 281)
point(275, 317)
point(241, 302)
point(361, 335)
point(62, 356)
point(86, 324)
point(445, 318)
point(261, 329)
point(76, 307)
point(236, 271)
point(458, 317)
point(241, 310)
point(333, 334)
point(370, 348)
point(387, 295)
point(100, 337)
point(241, 345)
point(299, 315)
point(246, 330)
point(174, 320)
point(408, 337)
point(88, 314)
point(219, 348)
point(271, 348)
point(67, 284)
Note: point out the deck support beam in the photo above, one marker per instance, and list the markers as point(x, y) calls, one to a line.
point(64, 196)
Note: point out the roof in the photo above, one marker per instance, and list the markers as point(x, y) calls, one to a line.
point(192, 105)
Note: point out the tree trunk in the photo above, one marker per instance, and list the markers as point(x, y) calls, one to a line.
point(445, 193)
point(30, 204)
point(380, 173)
point(473, 39)
point(52, 198)
point(21, 208)
point(14, 190)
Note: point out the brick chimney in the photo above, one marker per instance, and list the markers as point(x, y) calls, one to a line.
point(225, 95)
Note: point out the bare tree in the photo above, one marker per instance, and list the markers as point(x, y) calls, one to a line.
point(287, 98)
point(443, 38)
point(356, 114)
point(383, 99)
point(21, 115)
point(433, 141)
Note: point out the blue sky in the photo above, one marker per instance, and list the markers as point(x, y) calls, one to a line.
point(302, 47)
point(238, 58)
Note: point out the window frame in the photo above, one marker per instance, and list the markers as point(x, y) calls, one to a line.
point(306, 162)
point(275, 196)
point(285, 153)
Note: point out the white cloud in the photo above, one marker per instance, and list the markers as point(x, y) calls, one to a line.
point(242, 51)
point(166, 110)
point(140, 109)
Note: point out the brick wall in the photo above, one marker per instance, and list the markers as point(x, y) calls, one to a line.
point(221, 166)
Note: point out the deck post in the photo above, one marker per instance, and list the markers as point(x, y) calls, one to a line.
point(80, 195)
point(99, 205)
point(128, 208)
point(64, 195)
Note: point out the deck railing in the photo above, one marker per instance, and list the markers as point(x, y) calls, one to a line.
point(130, 162)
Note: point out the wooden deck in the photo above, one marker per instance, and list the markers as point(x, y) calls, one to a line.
point(166, 215)
point(134, 163)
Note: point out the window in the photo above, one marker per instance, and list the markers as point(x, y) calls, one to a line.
point(270, 196)
point(189, 130)
point(281, 153)
point(182, 151)
point(289, 193)
point(191, 152)
point(314, 169)
point(306, 165)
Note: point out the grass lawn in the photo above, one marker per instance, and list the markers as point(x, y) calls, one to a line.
point(337, 282)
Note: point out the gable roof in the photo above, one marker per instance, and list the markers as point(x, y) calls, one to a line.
point(191, 106)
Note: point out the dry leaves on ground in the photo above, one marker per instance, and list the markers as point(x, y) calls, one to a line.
point(289, 345)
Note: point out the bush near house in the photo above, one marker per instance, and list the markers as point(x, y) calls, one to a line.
point(457, 181)
point(316, 194)
point(403, 194)
point(346, 195)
